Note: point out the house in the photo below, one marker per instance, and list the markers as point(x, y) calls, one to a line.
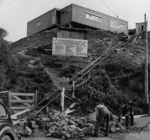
point(76, 16)
point(140, 27)
point(48, 20)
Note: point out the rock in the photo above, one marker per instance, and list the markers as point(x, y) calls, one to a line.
point(28, 131)
point(56, 134)
point(120, 127)
point(112, 127)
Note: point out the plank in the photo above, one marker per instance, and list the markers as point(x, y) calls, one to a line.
point(4, 92)
point(22, 94)
point(14, 116)
point(19, 107)
point(17, 98)
point(22, 101)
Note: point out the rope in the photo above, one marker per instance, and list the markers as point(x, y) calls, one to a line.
point(111, 50)
point(44, 99)
point(47, 104)
point(109, 8)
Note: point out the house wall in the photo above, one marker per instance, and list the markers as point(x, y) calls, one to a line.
point(140, 27)
point(66, 15)
point(42, 22)
point(74, 14)
point(98, 20)
point(71, 34)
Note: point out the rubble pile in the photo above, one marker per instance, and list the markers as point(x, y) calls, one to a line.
point(60, 125)
point(55, 124)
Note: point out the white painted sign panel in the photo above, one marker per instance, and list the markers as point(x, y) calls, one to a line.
point(70, 47)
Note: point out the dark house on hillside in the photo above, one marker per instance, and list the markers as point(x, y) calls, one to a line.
point(76, 16)
point(48, 20)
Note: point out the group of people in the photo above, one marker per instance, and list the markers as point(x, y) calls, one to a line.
point(104, 114)
point(128, 111)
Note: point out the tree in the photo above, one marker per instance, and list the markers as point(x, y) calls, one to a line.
point(7, 63)
point(3, 33)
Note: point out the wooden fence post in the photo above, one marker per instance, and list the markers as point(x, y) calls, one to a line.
point(9, 99)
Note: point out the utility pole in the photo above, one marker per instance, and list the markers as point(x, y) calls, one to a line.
point(146, 62)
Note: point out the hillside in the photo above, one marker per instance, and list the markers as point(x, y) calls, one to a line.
point(118, 78)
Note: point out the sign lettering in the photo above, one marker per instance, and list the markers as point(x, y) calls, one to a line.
point(70, 47)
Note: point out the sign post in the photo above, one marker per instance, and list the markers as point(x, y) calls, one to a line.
point(63, 84)
point(63, 98)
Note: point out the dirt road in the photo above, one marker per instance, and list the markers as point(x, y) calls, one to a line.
point(130, 136)
point(141, 131)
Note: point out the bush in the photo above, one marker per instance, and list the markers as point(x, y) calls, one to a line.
point(144, 106)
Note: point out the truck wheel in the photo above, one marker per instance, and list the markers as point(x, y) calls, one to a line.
point(6, 137)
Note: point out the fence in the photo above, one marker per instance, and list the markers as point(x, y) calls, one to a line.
point(19, 101)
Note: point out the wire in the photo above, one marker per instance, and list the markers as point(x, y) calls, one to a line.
point(109, 8)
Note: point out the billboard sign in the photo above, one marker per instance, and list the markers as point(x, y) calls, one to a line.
point(70, 47)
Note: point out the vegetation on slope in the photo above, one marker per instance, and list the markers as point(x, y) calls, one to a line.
point(118, 79)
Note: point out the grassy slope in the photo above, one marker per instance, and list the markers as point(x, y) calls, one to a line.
point(127, 60)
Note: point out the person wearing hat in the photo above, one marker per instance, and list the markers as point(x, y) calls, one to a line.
point(102, 114)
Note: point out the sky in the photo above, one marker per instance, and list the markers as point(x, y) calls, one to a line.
point(14, 14)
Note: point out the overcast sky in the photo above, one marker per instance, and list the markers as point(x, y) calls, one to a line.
point(14, 14)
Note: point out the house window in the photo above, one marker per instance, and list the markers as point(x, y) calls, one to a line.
point(38, 23)
point(122, 27)
point(93, 17)
point(142, 28)
point(117, 25)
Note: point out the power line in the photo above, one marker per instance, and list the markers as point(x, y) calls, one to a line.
point(109, 8)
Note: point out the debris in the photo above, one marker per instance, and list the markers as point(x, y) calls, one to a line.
point(60, 125)
point(56, 124)
point(67, 111)
point(14, 116)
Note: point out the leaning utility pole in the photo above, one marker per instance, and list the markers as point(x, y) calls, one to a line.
point(146, 62)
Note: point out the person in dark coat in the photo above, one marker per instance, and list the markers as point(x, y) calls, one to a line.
point(102, 114)
point(128, 112)
point(131, 112)
point(125, 112)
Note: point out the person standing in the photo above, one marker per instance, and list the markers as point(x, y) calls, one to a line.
point(102, 114)
point(131, 110)
point(128, 112)
point(125, 112)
